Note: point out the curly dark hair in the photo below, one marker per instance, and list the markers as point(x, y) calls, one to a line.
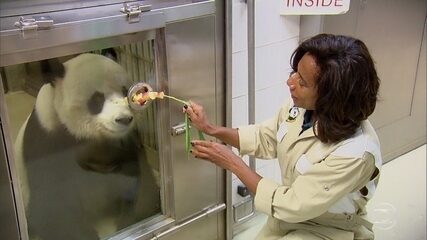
point(347, 84)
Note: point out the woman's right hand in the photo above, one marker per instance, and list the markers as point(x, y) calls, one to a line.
point(198, 117)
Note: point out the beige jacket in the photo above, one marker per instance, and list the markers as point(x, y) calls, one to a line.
point(324, 187)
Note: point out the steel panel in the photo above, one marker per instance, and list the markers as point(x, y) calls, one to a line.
point(23, 7)
point(8, 214)
point(8, 219)
point(83, 25)
point(191, 75)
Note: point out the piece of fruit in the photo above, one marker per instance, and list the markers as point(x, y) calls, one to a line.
point(143, 98)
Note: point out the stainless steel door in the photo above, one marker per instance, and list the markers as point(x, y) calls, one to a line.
point(180, 50)
point(194, 74)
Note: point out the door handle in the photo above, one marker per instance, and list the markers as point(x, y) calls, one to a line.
point(178, 129)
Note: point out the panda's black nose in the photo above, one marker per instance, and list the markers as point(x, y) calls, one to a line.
point(124, 120)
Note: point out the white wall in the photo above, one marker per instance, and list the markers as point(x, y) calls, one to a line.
point(276, 37)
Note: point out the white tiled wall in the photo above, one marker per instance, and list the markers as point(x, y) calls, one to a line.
point(276, 37)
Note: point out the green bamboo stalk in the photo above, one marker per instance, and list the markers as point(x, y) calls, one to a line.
point(201, 136)
point(187, 134)
point(176, 99)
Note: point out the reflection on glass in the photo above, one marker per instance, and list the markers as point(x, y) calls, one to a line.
point(88, 165)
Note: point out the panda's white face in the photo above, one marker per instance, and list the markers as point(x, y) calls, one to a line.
point(90, 101)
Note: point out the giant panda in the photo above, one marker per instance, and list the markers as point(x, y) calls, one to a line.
point(83, 171)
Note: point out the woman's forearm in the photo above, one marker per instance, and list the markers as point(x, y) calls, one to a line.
point(248, 176)
point(228, 135)
point(231, 136)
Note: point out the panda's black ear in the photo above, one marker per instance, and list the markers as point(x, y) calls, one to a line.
point(110, 53)
point(52, 69)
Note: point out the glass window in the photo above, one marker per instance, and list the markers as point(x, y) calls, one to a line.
point(88, 165)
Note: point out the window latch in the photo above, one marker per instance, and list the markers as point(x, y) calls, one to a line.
point(134, 11)
point(30, 25)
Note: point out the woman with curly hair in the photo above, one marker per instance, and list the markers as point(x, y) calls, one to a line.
point(328, 151)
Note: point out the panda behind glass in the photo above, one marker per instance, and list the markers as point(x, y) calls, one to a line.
point(84, 171)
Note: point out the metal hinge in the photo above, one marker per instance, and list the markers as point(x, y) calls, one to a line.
point(243, 210)
point(134, 10)
point(30, 25)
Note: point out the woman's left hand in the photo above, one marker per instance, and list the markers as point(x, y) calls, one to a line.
point(223, 157)
point(217, 153)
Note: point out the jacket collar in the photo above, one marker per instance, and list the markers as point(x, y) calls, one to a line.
point(295, 127)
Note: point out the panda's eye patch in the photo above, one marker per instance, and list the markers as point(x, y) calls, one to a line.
point(96, 103)
point(124, 91)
